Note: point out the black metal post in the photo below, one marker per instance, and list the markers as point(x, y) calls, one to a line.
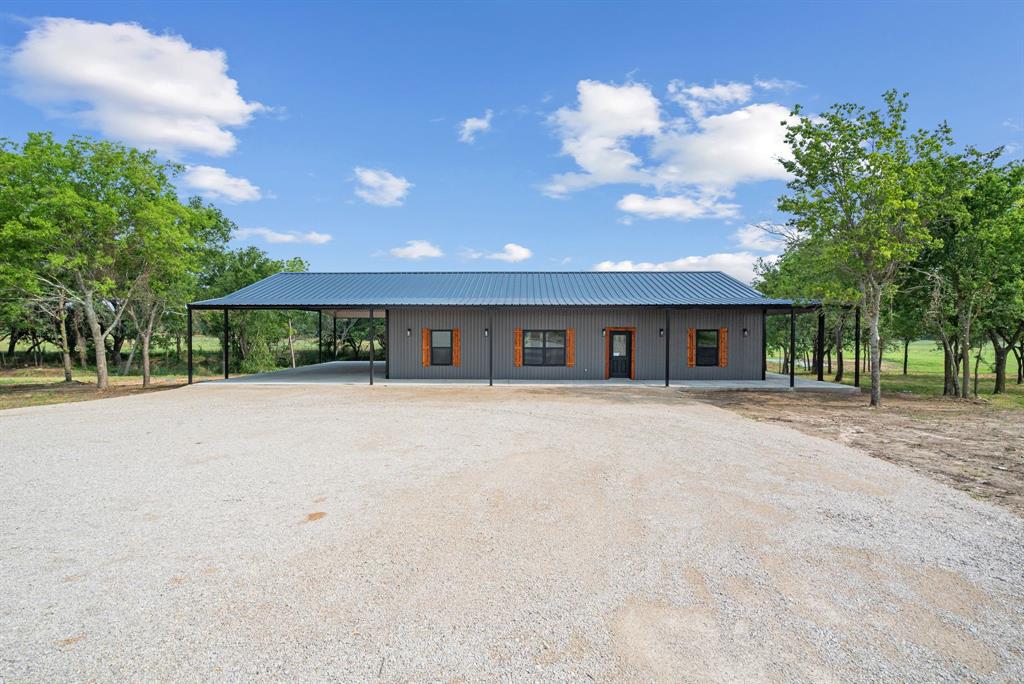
point(820, 347)
point(225, 343)
point(856, 347)
point(334, 338)
point(320, 336)
point(764, 344)
point(371, 346)
point(792, 346)
point(490, 351)
point(189, 336)
point(668, 346)
point(387, 344)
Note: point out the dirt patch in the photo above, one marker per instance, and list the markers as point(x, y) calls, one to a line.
point(969, 445)
point(17, 395)
point(316, 515)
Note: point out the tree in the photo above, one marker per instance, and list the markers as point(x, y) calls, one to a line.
point(93, 204)
point(855, 193)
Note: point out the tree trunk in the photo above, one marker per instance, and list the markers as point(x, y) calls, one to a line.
point(874, 304)
point(12, 343)
point(291, 345)
point(906, 354)
point(965, 351)
point(99, 341)
point(65, 350)
point(828, 357)
point(1019, 353)
point(977, 362)
point(83, 353)
point(147, 336)
point(131, 356)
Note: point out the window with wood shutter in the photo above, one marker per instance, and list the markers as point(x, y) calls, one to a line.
point(456, 347)
point(425, 352)
point(723, 347)
point(691, 347)
point(517, 348)
point(570, 347)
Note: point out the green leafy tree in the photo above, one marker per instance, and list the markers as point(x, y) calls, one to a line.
point(855, 194)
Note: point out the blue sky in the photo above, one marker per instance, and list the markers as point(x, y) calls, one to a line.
point(618, 136)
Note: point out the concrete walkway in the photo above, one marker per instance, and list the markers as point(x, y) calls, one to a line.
point(358, 373)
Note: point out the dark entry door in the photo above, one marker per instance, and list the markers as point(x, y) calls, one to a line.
point(619, 351)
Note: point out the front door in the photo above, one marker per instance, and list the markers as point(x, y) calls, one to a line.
point(619, 350)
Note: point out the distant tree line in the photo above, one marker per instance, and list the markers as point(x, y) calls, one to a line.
point(98, 251)
point(927, 239)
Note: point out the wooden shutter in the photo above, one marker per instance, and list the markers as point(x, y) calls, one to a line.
point(426, 347)
point(723, 347)
point(517, 348)
point(691, 347)
point(570, 347)
point(456, 347)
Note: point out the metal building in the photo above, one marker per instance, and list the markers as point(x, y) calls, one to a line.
point(539, 325)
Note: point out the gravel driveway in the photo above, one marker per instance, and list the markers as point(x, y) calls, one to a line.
point(445, 533)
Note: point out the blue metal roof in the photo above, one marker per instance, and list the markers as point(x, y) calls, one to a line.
point(495, 288)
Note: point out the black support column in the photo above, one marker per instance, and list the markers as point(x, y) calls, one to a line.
point(320, 336)
point(820, 346)
point(225, 344)
point(387, 344)
point(334, 338)
point(371, 346)
point(856, 347)
point(792, 346)
point(764, 344)
point(188, 334)
point(490, 351)
point(668, 346)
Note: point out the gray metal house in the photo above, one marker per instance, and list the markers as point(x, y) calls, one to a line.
point(539, 325)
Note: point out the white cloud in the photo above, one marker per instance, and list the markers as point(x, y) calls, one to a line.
point(596, 134)
point(415, 250)
point(755, 237)
point(274, 237)
point(697, 98)
point(619, 135)
point(679, 207)
point(146, 89)
point(777, 84)
point(512, 253)
point(380, 187)
point(473, 125)
point(215, 183)
point(739, 265)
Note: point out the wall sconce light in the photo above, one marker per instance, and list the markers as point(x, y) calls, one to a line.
point(746, 333)
point(604, 331)
point(486, 332)
point(408, 332)
point(661, 332)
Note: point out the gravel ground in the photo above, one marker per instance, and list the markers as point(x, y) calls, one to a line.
point(443, 533)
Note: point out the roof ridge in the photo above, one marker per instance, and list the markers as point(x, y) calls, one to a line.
point(497, 272)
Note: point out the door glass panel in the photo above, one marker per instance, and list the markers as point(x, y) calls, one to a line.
point(618, 344)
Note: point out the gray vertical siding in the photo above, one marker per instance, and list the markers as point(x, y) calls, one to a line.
point(405, 349)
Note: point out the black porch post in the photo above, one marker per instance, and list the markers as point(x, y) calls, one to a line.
point(371, 346)
point(668, 345)
point(387, 344)
point(188, 334)
point(334, 338)
point(820, 348)
point(764, 344)
point(792, 346)
point(856, 347)
point(320, 336)
point(225, 343)
point(490, 351)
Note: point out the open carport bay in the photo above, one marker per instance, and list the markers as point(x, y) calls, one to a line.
point(402, 532)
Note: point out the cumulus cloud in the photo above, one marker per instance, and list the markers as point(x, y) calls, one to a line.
point(416, 250)
point(274, 237)
point(153, 91)
point(380, 187)
point(678, 207)
point(596, 134)
point(757, 238)
point(740, 265)
point(623, 134)
point(216, 183)
point(469, 128)
point(511, 253)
